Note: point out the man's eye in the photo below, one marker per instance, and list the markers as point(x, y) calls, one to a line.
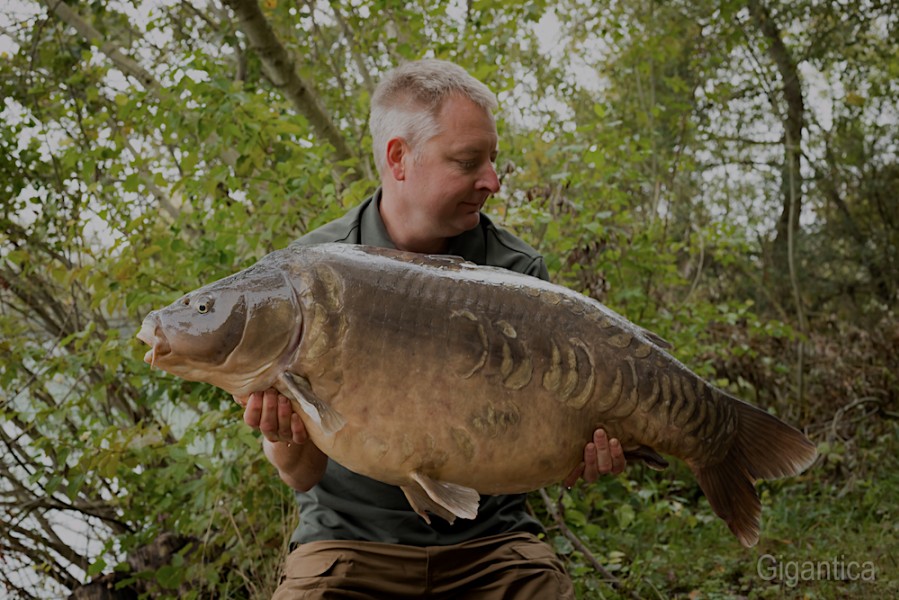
point(467, 164)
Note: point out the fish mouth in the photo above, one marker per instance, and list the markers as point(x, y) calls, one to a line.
point(152, 335)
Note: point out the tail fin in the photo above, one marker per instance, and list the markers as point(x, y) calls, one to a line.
point(764, 448)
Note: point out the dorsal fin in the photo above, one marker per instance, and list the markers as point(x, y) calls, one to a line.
point(444, 261)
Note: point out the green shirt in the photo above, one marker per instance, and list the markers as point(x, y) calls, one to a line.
point(347, 506)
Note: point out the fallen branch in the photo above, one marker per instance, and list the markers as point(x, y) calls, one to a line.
point(557, 512)
point(838, 416)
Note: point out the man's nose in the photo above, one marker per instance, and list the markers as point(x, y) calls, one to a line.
point(489, 180)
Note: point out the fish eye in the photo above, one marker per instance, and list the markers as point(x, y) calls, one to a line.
point(203, 306)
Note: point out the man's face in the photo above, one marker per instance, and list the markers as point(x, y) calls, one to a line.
point(451, 176)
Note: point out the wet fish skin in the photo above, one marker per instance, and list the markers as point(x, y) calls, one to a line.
point(452, 380)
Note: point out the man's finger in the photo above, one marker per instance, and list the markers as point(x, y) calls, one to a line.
point(268, 424)
point(284, 412)
point(252, 415)
point(590, 464)
point(617, 454)
point(298, 430)
point(574, 476)
point(603, 455)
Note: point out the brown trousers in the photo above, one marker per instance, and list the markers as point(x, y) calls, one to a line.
point(513, 566)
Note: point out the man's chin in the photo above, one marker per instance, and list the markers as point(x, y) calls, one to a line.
point(461, 223)
point(470, 220)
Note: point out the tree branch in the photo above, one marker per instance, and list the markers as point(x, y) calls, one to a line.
point(41, 554)
point(280, 69)
point(128, 66)
point(351, 44)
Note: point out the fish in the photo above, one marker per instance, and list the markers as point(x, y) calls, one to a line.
point(452, 380)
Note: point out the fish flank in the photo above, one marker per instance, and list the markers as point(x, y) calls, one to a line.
point(522, 367)
point(482, 337)
point(691, 402)
point(609, 397)
point(651, 402)
point(678, 404)
point(571, 377)
point(552, 379)
point(642, 351)
point(579, 400)
point(700, 414)
point(627, 402)
point(666, 392)
point(620, 341)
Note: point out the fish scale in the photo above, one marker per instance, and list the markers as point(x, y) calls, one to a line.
point(452, 380)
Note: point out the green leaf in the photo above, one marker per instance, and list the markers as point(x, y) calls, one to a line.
point(96, 567)
point(169, 577)
point(625, 515)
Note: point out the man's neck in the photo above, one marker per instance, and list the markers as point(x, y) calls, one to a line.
point(402, 232)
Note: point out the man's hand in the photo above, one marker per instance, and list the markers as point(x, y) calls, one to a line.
point(272, 414)
point(287, 446)
point(601, 457)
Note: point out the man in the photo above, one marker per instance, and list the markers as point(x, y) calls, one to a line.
point(435, 144)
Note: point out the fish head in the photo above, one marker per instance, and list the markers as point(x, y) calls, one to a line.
point(237, 333)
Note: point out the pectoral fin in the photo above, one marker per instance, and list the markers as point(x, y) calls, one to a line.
point(447, 500)
point(321, 412)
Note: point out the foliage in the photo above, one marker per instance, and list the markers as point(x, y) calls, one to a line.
point(146, 147)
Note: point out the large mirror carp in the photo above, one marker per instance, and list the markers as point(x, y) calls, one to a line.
point(452, 380)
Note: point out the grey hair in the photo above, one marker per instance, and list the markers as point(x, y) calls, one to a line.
point(406, 102)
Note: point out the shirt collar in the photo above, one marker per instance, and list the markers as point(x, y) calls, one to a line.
point(470, 245)
point(372, 231)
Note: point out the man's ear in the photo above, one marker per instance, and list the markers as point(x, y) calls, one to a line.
point(397, 152)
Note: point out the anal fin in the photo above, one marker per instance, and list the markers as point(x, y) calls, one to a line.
point(320, 411)
point(444, 499)
point(648, 455)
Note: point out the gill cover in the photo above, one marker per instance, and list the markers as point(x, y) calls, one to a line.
point(202, 328)
point(274, 320)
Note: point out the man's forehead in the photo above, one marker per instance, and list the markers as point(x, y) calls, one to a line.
point(460, 146)
point(460, 108)
point(466, 128)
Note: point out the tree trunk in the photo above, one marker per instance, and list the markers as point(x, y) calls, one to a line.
point(793, 120)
